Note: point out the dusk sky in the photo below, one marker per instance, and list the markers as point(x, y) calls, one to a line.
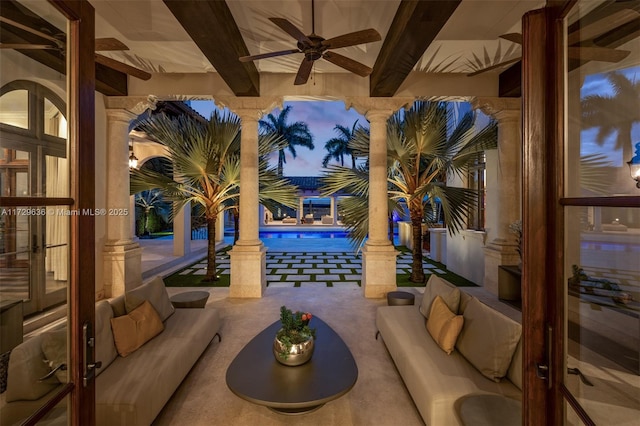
point(321, 117)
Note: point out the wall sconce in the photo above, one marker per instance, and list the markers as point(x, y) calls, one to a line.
point(634, 166)
point(133, 160)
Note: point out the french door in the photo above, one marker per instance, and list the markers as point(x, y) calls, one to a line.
point(34, 258)
point(581, 290)
point(47, 156)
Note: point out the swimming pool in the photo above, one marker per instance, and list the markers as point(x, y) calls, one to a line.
point(294, 234)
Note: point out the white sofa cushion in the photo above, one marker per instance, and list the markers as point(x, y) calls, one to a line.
point(436, 286)
point(26, 366)
point(156, 293)
point(488, 339)
point(105, 347)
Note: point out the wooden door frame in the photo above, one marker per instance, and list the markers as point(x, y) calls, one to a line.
point(543, 217)
point(81, 122)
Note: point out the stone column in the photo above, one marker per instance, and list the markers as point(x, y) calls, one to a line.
point(122, 255)
point(378, 253)
point(248, 256)
point(503, 198)
point(300, 213)
point(182, 231)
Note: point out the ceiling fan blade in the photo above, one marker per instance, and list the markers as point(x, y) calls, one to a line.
point(122, 67)
point(348, 64)
point(512, 37)
point(268, 55)
point(493, 67)
point(59, 43)
point(110, 43)
point(602, 26)
point(351, 39)
point(602, 54)
point(291, 29)
point(304, 71)
point(26, 46)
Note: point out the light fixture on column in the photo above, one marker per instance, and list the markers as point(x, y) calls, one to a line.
point(634, 166)
point(133, 160)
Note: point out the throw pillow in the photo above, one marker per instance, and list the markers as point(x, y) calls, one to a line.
point(54, 347)
point(156, 293)
point(436, 286)
point(133, 330)
point(488, 339)
point(443, 325)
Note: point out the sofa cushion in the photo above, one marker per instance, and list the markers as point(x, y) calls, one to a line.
point(133, 330)
point(26, 366)
point(443, 325)
point(434, 379)
point(515, 368)
point(156, 293)
point(436, 286)
point(488, 339)
point(105, 350)
point(54, 347)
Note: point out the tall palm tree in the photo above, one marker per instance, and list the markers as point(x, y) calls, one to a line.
point(295, 134)
point(338, 147)
point(618, 112)
point(206, 162)
point(422, 149)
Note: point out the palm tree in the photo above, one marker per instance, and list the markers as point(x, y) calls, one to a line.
point(421, 151)
point(338, 147)
point(618, 112)
point(206, 162)
point(149, 201)
point(294, 134)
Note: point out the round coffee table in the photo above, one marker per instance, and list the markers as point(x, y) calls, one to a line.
point(400, 298)
point(256, 376)
point(190, 299)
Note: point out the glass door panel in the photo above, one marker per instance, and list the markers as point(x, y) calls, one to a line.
point(601, 234)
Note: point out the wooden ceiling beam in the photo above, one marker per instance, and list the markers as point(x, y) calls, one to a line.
point(108, 81)
point(212, 27)
point(415, 25)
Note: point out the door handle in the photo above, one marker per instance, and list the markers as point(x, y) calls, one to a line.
point(578, 373)
point(89, 366)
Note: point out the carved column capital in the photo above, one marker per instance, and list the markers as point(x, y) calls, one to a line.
point(249, 107)
point(369, 106)
point(134, 104)
point(502, 109)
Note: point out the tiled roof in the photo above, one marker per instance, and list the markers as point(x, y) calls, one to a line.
point(305, 182)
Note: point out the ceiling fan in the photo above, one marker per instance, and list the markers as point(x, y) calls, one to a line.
point(58, 43)
point(315, 47)
point(582, 34)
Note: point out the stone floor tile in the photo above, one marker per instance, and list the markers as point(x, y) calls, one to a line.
point(274, 277)
point(200, 272)
point(314, 271)
point(345, 284)
point(352, 277)
point(328, 277)
point(298, 277)
point(285, 271)
point(186, 272)
point(340, 271)
point(312, 283)
point(281, 284)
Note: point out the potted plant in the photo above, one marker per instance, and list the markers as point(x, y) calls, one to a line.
point(294, 342)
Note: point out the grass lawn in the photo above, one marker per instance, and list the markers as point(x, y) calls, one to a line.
point(192, 275)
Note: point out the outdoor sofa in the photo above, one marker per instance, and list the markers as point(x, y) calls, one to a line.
point(479, 382)
point(131, 389)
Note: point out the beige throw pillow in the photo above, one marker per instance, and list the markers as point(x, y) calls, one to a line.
point(156, 293)
point(133, 330)
point(488, 339)
point(443, 325)
point(54, 347)
point(436, 286)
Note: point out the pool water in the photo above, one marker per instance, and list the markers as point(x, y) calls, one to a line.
point(270, 234)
